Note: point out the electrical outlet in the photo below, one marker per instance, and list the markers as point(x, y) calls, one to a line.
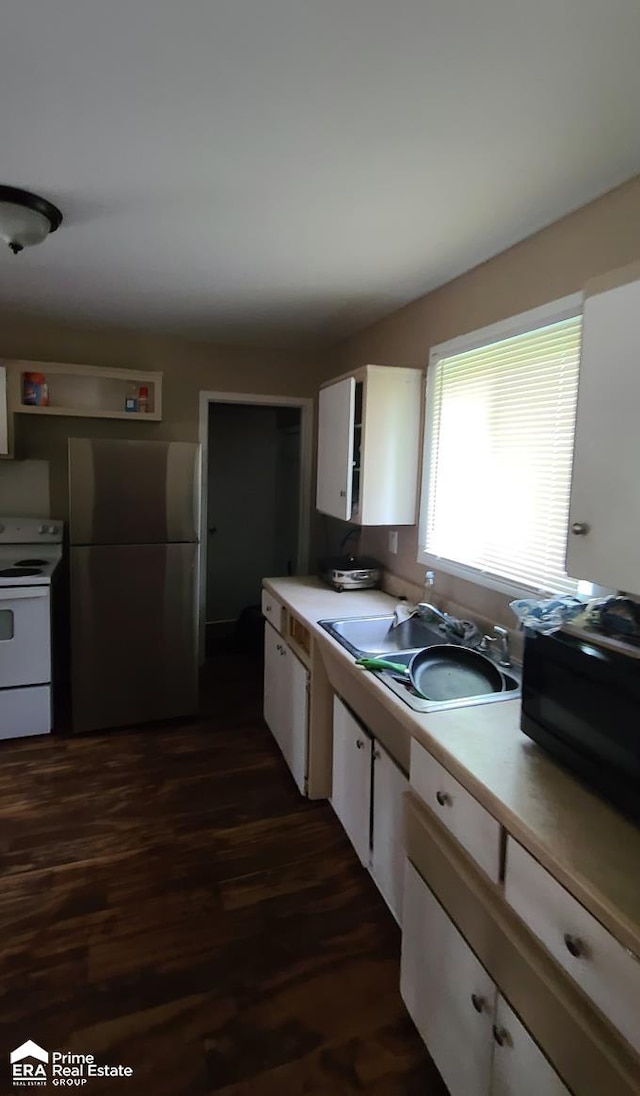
point(393, 541)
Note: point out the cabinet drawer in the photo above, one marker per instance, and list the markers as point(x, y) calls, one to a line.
point(476, 830)
point(273, 610)
point(606, 971)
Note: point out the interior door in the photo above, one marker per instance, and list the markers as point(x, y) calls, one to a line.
point(387, 856)
point(133, 634)
point(336, 406)
point(519, 1066)
point(448, 993)
point(253, 503)
point(351, 791)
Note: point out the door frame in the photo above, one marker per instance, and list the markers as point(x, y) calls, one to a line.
point(306, 463)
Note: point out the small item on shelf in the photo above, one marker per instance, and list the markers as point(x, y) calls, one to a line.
point(131, 399)
point(143, 399)
point(35, 390)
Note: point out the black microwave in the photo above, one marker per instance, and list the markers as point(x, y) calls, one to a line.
point(582, 703)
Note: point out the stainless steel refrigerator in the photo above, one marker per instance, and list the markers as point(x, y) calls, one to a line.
point(133, 527)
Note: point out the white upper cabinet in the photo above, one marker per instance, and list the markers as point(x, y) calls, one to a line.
point(368, 446)
point(604, 521)
point(336, 409)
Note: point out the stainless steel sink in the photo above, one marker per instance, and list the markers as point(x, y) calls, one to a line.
point(376, 635)
point(403, 688)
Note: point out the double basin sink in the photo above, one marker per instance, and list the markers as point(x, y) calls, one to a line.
point(377, 637)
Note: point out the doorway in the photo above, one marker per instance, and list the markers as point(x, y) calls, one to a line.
point(255, 506)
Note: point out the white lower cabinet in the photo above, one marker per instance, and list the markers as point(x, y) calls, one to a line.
point(351, 789)
point(368, 788)
point(286, 682)
point(387, 838)
point(477, 1042)
point(605, 970)
point(448, 994)
point(519, 1066)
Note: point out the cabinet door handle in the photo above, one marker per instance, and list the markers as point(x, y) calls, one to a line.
point(376, 755)
point(478, 1002)
point(343, 494)
point(359, 743)
point(501, 1036)
point(575, 946)
point(579, 528)
point(444, 799)
point(267, 608)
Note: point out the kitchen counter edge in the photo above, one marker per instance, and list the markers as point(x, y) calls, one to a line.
point(587, 845)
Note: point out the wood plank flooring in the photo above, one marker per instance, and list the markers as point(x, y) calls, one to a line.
point(168, 901)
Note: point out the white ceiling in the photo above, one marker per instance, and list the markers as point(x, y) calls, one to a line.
point(293, 169)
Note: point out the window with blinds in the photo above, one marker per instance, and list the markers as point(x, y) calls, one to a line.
point(498, 452)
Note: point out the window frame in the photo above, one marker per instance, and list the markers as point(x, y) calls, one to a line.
point(565, 308)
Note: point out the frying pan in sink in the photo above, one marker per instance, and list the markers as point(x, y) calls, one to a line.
point(445, 672)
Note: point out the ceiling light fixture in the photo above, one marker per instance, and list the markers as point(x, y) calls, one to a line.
point(25, 218)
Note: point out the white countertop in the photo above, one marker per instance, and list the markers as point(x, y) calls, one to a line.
point(584, 842)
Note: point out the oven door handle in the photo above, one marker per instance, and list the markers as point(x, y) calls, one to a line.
point(12, 593)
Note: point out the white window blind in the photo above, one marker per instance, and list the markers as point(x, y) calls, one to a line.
point(499, 447)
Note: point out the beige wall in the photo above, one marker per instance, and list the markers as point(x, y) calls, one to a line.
point(188, 368)
point(551, 264)
point(555, 262)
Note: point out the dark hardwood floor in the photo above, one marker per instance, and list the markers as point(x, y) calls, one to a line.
point(168, 901)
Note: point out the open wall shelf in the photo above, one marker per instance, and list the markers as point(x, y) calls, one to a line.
point(86, 391)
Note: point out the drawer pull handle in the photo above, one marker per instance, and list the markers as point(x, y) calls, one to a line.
point(359, 743)
point(267, 608)
point(444, 799)
point(478, 1002)
point(376, 755)
point(575, 946)
point(501, 1036)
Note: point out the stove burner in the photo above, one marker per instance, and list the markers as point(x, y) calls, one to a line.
point(30, 563)
point(19, 572)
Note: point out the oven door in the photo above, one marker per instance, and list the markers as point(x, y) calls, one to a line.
point(25, 636)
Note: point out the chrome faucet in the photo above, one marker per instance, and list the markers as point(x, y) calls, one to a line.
point(424, 609)
point(501, 640)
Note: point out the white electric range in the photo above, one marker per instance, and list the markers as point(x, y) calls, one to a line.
point(30, 550)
